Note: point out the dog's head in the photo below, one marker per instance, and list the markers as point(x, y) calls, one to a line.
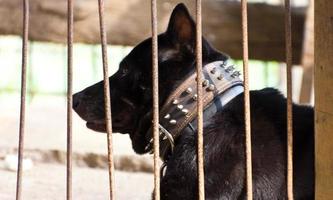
point(131, 85)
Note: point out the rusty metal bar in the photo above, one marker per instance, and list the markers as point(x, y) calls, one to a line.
point(70, 20)
point(201, 176)
point(107, 98)
point(155, 100)
point(289, 100)
point(247, 113)
point(23, 95)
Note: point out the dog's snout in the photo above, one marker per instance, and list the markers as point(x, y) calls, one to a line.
point(76, 100)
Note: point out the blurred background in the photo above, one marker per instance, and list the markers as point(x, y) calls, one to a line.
point(128, 23)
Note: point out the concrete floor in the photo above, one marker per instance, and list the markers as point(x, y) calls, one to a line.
point(46, 128)
point(47, 182)
point(46, 131)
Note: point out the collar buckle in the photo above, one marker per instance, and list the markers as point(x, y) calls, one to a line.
point(165, 135)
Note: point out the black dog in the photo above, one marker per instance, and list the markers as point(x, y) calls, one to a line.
point(131, 94)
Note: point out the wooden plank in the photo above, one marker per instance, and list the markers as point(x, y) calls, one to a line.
point(324, 98)
point(128, 23)
point(324, 158)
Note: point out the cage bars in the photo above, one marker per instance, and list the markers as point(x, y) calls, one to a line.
point(155, 100)
point(70, 21)
point(25, 47)
point(200, 147)
point(107, 98)
point(289, 100)
point(247, 112)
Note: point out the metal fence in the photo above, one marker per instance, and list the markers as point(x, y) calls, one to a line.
point(201, 187)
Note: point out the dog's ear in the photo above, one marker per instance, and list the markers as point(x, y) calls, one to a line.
point(181, 28)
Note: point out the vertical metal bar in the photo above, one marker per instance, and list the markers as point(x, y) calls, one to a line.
point(247, 113)
point(23, 95)
point(70, 20)
point(289, 100)
point(30, 84)
point(201, 176)
point(107, 98)
point(155, 100)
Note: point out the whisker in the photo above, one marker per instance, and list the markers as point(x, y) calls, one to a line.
point(128, 102)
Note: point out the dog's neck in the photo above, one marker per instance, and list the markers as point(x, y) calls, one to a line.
point(220, 85)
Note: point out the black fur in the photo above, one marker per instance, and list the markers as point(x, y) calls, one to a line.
point(223, 133)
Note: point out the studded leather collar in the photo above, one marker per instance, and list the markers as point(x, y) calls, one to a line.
point(180, 109)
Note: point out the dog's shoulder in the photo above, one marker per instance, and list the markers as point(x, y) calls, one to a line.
point(273, 101)
point(268, 104)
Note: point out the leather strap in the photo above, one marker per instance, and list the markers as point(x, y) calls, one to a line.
point(180, 108)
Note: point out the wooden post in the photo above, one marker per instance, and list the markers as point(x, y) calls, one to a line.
point(324, 98)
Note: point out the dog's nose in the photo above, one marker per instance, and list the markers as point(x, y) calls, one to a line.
point(76, 100)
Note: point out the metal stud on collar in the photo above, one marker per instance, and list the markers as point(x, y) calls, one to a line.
point(180, 107)
point(189, 90)
point(211, 87)
point(173, 122)
point(223, 64)
point(205, 83)
point(220, 77)
point(175, 102)
point(185, 111)
point(213, 71)
point(230, 69)
point(167, 116)
point(195, 97)
point(236, 74)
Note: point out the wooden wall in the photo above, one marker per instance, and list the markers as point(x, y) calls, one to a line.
point(128, 22)
point(324, 98)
